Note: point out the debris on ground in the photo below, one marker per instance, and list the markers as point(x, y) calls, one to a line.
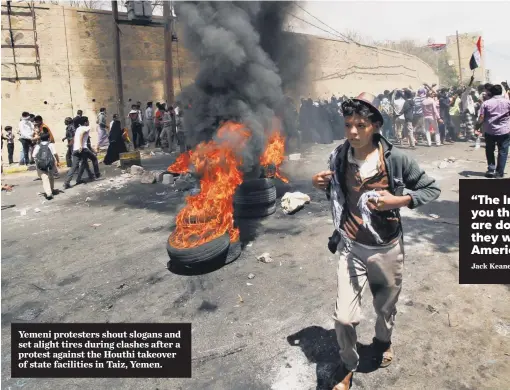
point(265, 258)
point(451, 159)
point(251, 276)
point(295, 156)
point(431, 309)
point(117, 164)
point(148, 178)
point(294, 201)
point(7, 187)
point(240, 298)
point(88, 199)
point(168, 180)
point(249, 284)
point(159, 175)
point(95, 225)
point(23, 212)
point(435, 216)
point(136, 170)
point(184, 182)
point(442, 164)
point(37, 210)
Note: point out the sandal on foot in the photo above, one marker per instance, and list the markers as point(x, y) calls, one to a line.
point(387, 358)
point(384, 352)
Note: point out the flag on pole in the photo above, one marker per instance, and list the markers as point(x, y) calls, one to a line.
point(476, 58)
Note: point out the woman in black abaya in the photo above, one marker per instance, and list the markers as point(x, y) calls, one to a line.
point(117, 144)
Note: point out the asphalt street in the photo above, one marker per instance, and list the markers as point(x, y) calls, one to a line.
point(96, 253)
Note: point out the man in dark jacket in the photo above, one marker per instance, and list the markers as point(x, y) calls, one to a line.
point(369, 170)
point(69, 137)
point(408, 110)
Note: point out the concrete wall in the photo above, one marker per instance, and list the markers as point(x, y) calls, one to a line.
point(467, 44)
point(348, 68)
point(77, 67)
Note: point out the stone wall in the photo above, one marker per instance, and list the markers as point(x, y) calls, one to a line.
point(348, 68)
point(77, 67)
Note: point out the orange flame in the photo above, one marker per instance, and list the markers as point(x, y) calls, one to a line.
point(209, 214)
point(181, 163)
point(274, 153)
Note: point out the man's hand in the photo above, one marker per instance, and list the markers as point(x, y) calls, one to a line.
point(386, 201)
point(321, 180)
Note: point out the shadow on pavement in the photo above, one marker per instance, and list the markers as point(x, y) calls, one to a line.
point(442, 232)
point(320, 346)
point(472, 173)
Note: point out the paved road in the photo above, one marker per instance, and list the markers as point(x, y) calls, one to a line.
point(58, 267)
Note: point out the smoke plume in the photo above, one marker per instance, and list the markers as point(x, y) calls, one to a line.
point(247, 64)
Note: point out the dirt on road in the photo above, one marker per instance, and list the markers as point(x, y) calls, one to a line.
point(96, 253)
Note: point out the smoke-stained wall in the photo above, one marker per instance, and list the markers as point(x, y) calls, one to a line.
point(78, 72)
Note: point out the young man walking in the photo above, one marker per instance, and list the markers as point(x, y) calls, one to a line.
point(495, 118)
point(368, 167)
point(9, 137)
point(26, 134)
point(408, 111)
point(81, 153)
point(46, 159)
point(431, 118)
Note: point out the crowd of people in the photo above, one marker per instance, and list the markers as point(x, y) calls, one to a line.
point(434, 115)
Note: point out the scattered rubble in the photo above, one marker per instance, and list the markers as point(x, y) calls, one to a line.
point(136, 170)
point(159, 175)
point(251, 276)
point(168, 180)
point(148, 178)
point(184, 182)
point(294, 201)
point(443, 164)
point(265, 258)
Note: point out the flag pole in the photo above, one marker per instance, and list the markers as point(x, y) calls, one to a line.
point(458, 54)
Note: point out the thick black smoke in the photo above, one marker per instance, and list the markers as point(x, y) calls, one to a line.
point(246, 65)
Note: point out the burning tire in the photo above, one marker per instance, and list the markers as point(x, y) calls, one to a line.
point(263, 197)
point(255, 199)
point(255, 185)
point(254, 211)
point(209, 251)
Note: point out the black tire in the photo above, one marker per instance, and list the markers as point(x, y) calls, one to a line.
point(263, 197)
point(200, 254)
point(255, 185)
point(252, 211)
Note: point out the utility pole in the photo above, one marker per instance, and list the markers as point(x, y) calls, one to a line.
point(118, 64)
point(458, 54)
point(169, 74)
